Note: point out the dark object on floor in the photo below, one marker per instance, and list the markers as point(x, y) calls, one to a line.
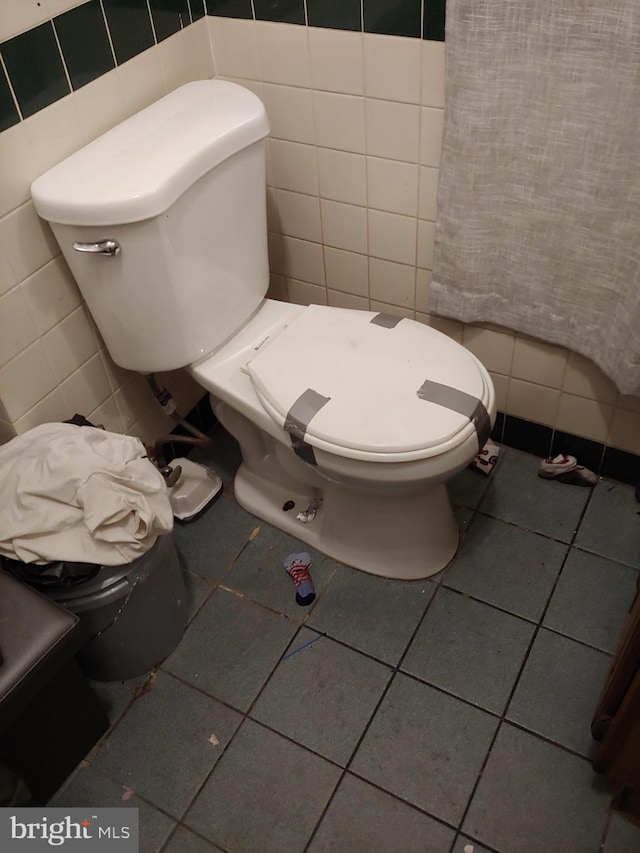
point(616, 723)
point(132, 616)
point(49, 716)
point(638, 492)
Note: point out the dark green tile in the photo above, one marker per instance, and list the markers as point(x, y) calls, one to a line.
point(130, 27)
point(85, 45)
point(35, 69)
point(8, 112)
point(285, 11)
point(230, 8)
point(197, 9)
point(434, 16)
point(335, 14)
point(169, 17)
point(393, 17)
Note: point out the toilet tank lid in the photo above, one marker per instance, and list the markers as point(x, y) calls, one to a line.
point(140, 167)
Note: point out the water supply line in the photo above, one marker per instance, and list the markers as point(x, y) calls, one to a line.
point(197, 438)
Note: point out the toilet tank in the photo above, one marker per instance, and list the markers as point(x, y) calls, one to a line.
point(167, 212)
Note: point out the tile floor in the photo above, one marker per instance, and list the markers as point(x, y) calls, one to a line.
point(437, 716)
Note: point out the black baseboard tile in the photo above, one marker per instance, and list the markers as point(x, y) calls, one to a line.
point(620, 465)
point(498, 427)
point(527, 435)
point(588, 453)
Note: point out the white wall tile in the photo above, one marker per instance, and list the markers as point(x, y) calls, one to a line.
point(86, 388)
point(393, 130)
point(290, 113)
point(303, 293)
point(278, 288)
point(393, 186)
point(8, 278)
point(431, 127)
point(20, 15)
point(100, 105)
point(182, 58)
point(299, 215)
point(276, 257)
point(52, 294)
point(116, 375)
point(337, 299)
point(344, 226)
point(426, 236)
point(141, 81)
point(27, 240)
point(387, 308)
point(20, 167)
point(7, 431)
point(284, 53)
point(392, 237)
point(57, 7)
point(584, 378)
point(624, 431)
point(433, 73)
point(294, 166)
point(423, 285)
point(346, 271)
point(501, 389)
point(55, 133)
point(17, 329)
point(392, 67)
point(451, 328)
point(25, 380)
point(303, 260)
point(586, 418)
point(340, 121)
point(69, 344)
point(428, 205)
point(235, 47)
point(539, 362)
point(392, 283)
point(343, 176)
point(107, 415)
point(494, 349)
point(51, 409)
point(336, 60)
point(533, 402)
point(628, 402)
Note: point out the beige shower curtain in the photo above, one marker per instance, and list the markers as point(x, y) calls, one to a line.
point(538, 221)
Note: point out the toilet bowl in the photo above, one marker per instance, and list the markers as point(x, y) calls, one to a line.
point(350, 422)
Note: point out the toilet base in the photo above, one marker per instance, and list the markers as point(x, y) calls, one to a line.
point(406, 537)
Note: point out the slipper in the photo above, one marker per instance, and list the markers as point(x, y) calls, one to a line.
point(565, 469)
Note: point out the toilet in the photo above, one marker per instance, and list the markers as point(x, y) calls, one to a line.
point(350, 422)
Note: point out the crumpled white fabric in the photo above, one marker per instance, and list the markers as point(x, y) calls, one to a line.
point(79, 494)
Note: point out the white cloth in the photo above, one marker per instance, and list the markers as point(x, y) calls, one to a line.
point(79, 494)
point(538, 223)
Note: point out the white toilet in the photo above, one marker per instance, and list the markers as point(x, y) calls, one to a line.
point(356, 418)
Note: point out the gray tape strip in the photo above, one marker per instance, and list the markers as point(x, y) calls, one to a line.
point(459, 401)
point(389, 321)
point(296, 423)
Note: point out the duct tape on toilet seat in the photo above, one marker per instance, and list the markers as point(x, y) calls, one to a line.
point(461, 402)
point(297, 421)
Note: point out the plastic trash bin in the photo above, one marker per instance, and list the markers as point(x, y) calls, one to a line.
point(133, 615)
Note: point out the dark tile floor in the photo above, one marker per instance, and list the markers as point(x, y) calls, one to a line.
point(442, 716)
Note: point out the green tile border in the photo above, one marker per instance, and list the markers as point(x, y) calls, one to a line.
point(37, 72)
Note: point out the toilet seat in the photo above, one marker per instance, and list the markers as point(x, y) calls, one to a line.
point(370, 386)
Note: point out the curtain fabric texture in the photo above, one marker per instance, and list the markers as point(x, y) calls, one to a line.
point(538, 223)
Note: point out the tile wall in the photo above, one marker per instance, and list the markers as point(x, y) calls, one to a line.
point(355, 100)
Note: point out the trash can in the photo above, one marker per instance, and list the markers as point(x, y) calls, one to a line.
point(133, 615)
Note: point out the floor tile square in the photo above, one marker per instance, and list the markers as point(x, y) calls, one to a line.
point(363, 819)
point(425, 747)
point(116, 696)
point(88, 788)
point(185, 841)
point(370, 613)
point(623, 836)
point(208, 545)
point(506, 566)
point(591, 600)
point(230, 648)
point(519, 496)
point(197, 590)
point(559, 690)
point(246, 804)
point(534, 797)
point(611, 526)
point(469, 649)
point(468, 845)
point(467, 487)
point(335, 693)
point(161, 747)
point(259, 571)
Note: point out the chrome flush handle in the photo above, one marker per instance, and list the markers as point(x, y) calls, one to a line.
point(102, 247)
